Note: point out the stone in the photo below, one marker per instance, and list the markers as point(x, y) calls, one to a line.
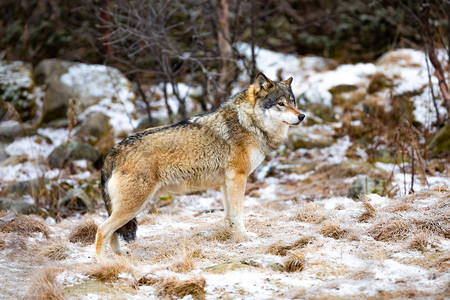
point(75, 151)
point(88, 84)
point(9, 130)
point(95, 127)
point(440, 143)
point(20, 205)
point(76, 199)
point(16, 87)
point(27, 187)
point(365, 185)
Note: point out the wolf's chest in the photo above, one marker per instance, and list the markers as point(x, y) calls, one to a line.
point(256, 158)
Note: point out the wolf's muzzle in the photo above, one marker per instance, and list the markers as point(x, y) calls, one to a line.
point(301, 117)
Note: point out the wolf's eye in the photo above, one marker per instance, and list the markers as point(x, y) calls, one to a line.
point(280, 103)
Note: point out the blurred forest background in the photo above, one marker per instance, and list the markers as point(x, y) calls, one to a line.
point(196, 41)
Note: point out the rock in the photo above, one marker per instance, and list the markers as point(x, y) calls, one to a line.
point(342, 88)
point(16, 87)
point(384, 155)
point(24, 187)
point(365, 185)
point(106, 142)
point(20, 206)
point(95, 127)
point(75, 151)
point(89, 84)
point(440, 143)
point(76, 199)
point(9, 130)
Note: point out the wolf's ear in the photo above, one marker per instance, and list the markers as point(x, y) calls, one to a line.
point(287, 81)
point(263, 83)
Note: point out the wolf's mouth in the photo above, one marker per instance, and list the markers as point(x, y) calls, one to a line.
point(293, 124)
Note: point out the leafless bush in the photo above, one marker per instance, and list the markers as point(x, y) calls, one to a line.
point(282, 249)
point(56, 251)
point(390, 229)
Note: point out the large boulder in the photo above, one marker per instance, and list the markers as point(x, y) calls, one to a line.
point(89, 84)
point(75, 151)
point(16, 87)
point(94, 128)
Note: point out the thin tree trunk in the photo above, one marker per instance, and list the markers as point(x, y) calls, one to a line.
point(225, 51)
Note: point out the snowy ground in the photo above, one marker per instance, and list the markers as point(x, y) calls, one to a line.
point(313, 242)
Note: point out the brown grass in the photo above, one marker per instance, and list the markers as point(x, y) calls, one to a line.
point(390, 229)
point(172, 287)
point(333, 230)
point(2, 244)
point(369, 212)
point(56, 251)
point(310, 213)
point(221, 233)
point(45, 286)
point(149, 219)
point(108, 270)
point(442, 263)
point(419, 241)
point(22, 224)
point(295, 262)
point(185, 263)
point(84, 233)
point(148, 279)
point(282, 249)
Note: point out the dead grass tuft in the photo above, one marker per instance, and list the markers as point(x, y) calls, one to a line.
point(390, 229)
point(148, 279)
point(22, 224)
point(172, 287)
point(186, 261)
point(295, 262)
point(84, 233)
point(45, 286)
point(2, 244)
point(333, 230)
point(221, 233)
point(419, 241)
point(56, 251)
point(282, 250)
point(108, 270)
point(369, 212)
point(311, 213)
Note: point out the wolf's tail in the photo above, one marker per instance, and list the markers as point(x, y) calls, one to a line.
point(127, 231)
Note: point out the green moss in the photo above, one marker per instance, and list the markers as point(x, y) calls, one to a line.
point(440, 144)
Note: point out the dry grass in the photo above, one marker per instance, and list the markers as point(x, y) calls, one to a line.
point(172, 287)
point(311, 213)
point(108, 270)
point(2, 244)
point(333, 230)
point(22, 224)
point(419, 241)
point(45, 286)
point(295, 262)
point(84, 233)
point(390, 229)
point(56, 251)
point(442, 263)
point(185, 262)
point(369, 212)
point(282, 249)
point(221, 233)
point(149, 219)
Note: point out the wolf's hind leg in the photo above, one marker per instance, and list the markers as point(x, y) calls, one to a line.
point(114, 242)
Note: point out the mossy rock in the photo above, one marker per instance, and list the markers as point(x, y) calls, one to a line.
point(379, 82)
point(365, 185)
point(75, 151)
point(440, 144)
point(16, 87)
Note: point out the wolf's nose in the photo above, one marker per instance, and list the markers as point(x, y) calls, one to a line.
point(301, 117)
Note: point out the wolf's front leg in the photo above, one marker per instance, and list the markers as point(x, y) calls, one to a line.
point(234, 193)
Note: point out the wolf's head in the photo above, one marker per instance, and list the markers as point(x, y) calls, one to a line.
point(275, 102)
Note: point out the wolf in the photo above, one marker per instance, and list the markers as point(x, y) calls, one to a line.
point(217, 149)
